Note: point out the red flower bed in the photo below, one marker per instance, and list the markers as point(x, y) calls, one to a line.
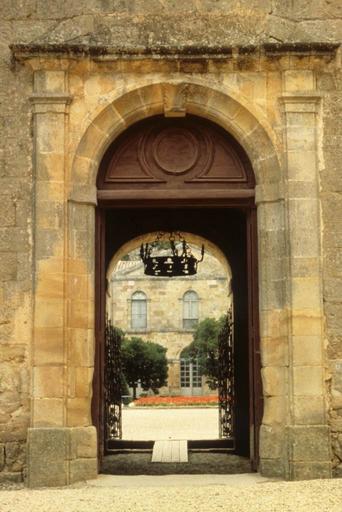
point(155, 401)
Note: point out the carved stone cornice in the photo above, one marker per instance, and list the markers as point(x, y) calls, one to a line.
point(300, 101)
point(43, 103)
point(24, 51)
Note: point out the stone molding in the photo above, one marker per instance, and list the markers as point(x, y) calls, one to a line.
point(24, 51)
point(300, 102)
point(45, 103)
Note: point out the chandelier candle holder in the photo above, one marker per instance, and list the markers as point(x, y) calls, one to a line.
point(179, 262)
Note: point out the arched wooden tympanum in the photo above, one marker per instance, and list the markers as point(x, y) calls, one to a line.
point(175, 158)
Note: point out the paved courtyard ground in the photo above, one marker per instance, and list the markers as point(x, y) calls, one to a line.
point(173, 493)
point(164, 423)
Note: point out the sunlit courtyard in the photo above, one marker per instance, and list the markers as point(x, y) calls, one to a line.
point(163, 423)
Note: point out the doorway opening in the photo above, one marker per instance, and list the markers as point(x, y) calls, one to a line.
point(176, 362)
point(187, 175)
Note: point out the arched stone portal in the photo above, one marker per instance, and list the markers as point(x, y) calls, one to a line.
point(185, 169)
point(289, 318)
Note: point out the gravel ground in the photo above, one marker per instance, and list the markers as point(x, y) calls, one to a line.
point(248, 496)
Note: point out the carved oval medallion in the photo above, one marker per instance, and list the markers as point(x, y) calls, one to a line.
point(175, 150)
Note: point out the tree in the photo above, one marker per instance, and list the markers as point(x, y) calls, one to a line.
point(144, 361)
point(204, 348)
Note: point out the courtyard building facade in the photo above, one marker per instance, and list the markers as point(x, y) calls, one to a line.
point(167, 311)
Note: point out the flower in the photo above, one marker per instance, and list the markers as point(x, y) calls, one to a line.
point(177, 401)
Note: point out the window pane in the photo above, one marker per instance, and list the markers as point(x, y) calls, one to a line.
point(188, 379)
point(139, 311)
point(193, 309)
point(190, 295)
point(190, 310)
point(196, 377)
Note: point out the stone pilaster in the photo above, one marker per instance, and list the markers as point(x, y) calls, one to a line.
point(50, 103)
point(308, 434)
point(53, 456)
point(273, 328)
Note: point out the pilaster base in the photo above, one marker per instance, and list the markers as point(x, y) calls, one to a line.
point(309, 452)
point(295, 453)
point(61, 456)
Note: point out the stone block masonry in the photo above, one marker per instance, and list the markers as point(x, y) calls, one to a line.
point(277, 89)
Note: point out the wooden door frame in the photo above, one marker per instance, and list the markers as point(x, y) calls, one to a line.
point(255, 386)
point(255, 383)
point(100, 313)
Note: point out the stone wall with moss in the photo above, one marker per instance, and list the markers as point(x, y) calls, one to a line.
point(153, 27)
point(330, 83)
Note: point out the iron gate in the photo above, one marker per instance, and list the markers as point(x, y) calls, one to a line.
point(113, 380)
point(226, 378)
point(112, 383)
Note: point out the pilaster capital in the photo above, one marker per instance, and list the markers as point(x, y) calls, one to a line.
point(300, 102)
point(44, 103)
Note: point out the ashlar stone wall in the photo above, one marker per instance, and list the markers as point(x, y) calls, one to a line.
point(331, 200)
point(59, 110)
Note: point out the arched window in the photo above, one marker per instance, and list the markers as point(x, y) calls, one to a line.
point(139, 311)
point(190, 310)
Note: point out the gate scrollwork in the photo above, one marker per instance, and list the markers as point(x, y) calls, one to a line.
point(113, 382)
point(226, 378)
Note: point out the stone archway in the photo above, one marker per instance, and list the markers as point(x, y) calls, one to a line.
point(290, 304)
point(176, 99)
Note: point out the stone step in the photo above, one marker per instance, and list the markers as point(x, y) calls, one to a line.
point(170, 450)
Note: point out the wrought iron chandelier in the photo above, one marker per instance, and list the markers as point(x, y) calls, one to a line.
point(178, 262)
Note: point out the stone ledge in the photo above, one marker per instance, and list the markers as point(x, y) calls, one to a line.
point(300, 102)
point(24, 51)
point(50, 102)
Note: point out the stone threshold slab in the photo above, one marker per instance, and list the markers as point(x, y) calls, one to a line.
point(170, 450)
